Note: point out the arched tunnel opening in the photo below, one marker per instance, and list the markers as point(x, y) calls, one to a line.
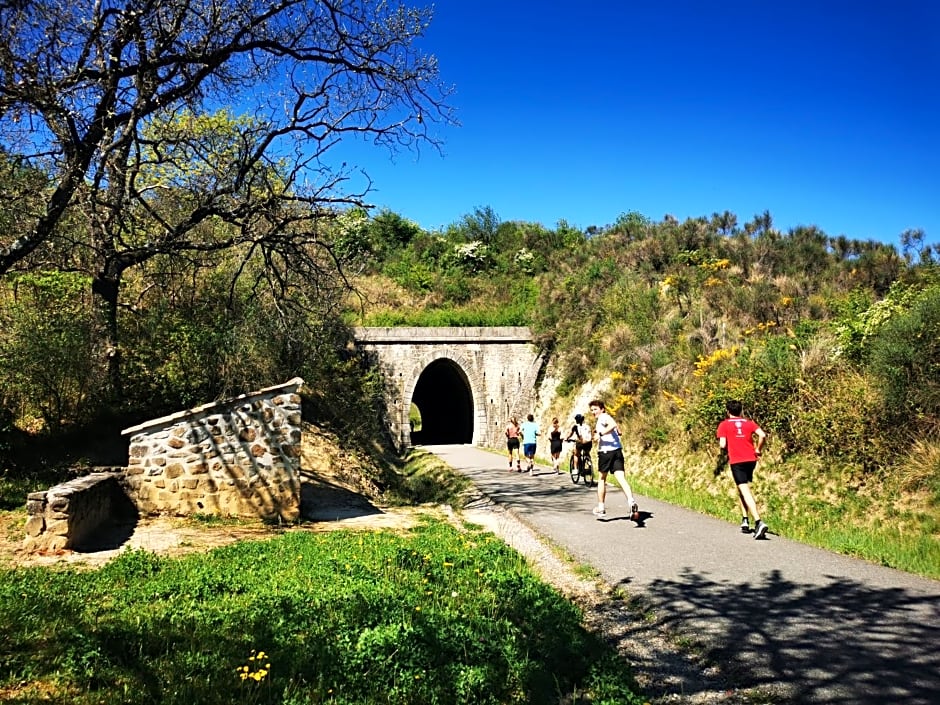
point(442, 395)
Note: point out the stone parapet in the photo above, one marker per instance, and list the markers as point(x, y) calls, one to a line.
point(64, 516)
point(237, 457)
point(480, 335)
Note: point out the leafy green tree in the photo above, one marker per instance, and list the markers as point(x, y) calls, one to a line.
point(877, 266)
point(567, 237)
point(110, 102)
point(481, 225)
point(632, 226)
point(389, 233)
point(805, 251)
point(47, 367)
point(725, 223)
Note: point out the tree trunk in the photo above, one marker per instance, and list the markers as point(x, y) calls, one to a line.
point(106, 286)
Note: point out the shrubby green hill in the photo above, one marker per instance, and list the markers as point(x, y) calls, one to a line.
point(832, 344)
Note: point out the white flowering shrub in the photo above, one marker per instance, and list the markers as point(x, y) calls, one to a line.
point(525, 261)
point(472, 256)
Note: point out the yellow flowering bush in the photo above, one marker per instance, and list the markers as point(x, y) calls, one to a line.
point(674, 399)
point(715, 265)
point(621, 401)
point(704, 364)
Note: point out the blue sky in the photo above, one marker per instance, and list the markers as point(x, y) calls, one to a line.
point(824, 112)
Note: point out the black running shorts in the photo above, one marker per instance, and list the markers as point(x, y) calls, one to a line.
point(743, 473)
point(610, 461)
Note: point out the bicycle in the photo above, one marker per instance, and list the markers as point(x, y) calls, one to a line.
point(586, 470)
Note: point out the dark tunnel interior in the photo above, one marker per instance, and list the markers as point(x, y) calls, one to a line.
point(443, 398)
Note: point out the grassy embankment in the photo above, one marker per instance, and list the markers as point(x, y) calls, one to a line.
point(436, 614)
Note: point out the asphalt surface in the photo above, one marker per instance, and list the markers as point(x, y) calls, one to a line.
point(777, 614)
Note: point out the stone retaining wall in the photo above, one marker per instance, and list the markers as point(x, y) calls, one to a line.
point(501, 367)
point(238, 457)
point(68, 514)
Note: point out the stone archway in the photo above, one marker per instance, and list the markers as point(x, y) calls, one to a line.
point(465, 381)
point(443, 396)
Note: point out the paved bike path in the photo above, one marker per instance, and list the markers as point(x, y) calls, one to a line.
point(822, 627)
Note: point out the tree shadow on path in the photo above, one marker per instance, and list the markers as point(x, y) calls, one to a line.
point(841, 642)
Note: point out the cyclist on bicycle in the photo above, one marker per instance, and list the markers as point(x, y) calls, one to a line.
point(581, 434)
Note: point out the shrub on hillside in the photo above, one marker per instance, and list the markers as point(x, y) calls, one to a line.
point(905, 355)
point(838, 418)
point(762, 376)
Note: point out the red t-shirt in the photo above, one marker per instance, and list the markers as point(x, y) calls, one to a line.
point(740, 439)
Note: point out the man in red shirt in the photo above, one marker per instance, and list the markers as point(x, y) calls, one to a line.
point(736, 436)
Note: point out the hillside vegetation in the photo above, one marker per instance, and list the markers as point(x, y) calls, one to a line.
point(832, 344)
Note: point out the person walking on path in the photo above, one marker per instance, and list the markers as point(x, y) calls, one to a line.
point(580, 433)
point(530, 434)
point(609, 459)
point(512, 443)
point(736, 438)
point(554, 444)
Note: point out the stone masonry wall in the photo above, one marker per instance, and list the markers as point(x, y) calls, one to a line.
point(68, 514)
point(238, 457)
point(500, 364)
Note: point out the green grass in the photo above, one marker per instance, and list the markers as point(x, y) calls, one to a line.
point(421, 478)
point(466, 316)
point(440, 615)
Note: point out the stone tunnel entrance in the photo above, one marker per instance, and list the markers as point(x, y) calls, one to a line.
point(463, 381)
point(444, 400)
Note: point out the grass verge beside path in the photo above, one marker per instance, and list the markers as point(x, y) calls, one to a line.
point(818, 506)
point(436, 615)
point(834, 510)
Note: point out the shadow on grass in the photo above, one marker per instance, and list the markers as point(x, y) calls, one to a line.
point(323, 501)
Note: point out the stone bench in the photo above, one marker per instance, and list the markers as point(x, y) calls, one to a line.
point(65, 516)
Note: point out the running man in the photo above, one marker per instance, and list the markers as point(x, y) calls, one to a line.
point(736, 436)
point(530, 434)
point(609, 458)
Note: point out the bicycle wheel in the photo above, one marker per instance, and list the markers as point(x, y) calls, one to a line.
point(588, 471)
point(573, 469)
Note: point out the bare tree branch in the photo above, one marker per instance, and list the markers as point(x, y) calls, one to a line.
point(83, 83)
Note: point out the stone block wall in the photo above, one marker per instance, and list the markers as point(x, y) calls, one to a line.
point(68, 514)
point(237, 457)
point(501, 366)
